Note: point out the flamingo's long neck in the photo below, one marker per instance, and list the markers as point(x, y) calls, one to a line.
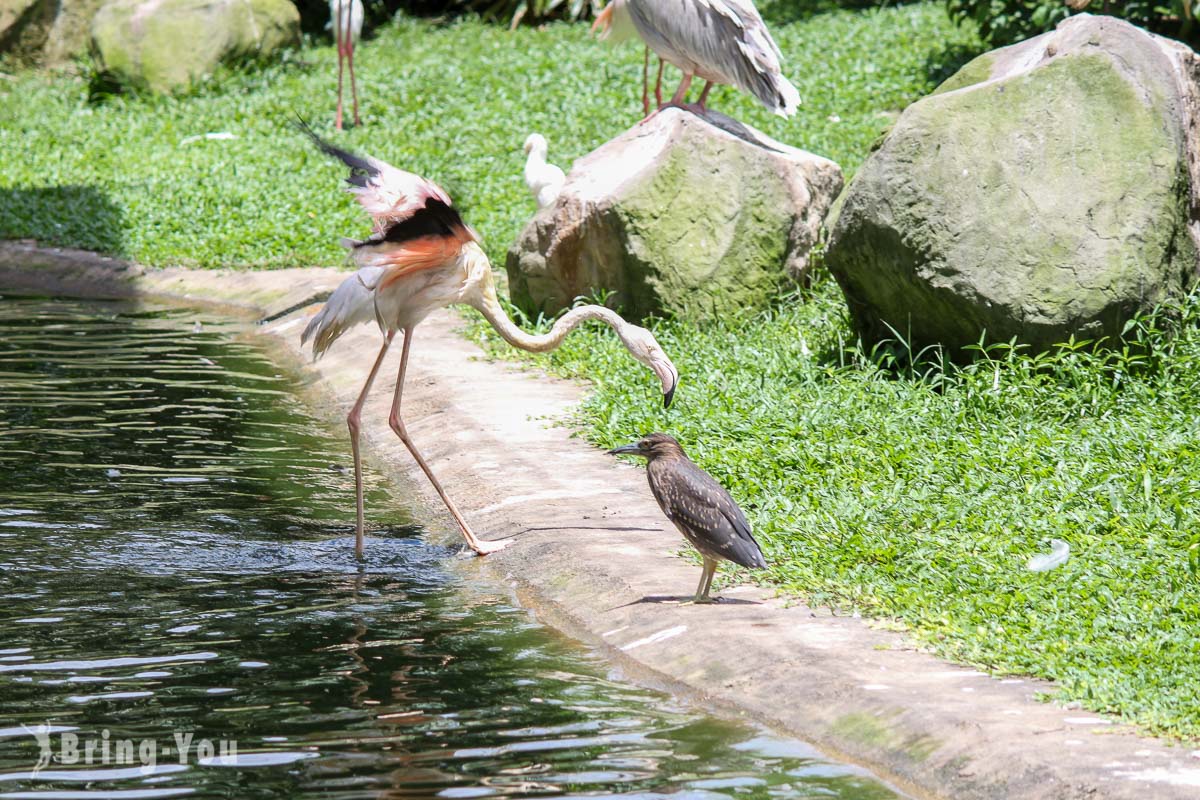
point(494, 313)
point(481, 295)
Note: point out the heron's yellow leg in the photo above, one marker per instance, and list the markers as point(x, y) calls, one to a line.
point(710, 568)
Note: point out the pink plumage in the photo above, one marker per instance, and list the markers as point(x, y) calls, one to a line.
point(391, 195)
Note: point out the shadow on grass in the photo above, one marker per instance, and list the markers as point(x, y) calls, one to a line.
point(950, 59)
point(67, 216)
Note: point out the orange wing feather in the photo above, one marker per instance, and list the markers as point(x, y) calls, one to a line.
point(415, 255)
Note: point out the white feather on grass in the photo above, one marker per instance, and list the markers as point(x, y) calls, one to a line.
point(1060, 551)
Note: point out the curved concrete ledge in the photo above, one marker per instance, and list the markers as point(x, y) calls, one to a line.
point(594, 558)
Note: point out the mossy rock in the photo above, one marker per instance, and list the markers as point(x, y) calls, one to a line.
point(164, 45)
point(683, 214)
point(44, 32)
point(1042, 192)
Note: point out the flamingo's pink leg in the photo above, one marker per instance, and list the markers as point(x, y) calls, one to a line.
point(353, 422)
point(397, 424)
point(350, 57)
point(353, 87)
point(658, 84)
point(703, 95)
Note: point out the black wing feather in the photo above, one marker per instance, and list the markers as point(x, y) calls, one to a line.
point(361, 170)
point(435, 219)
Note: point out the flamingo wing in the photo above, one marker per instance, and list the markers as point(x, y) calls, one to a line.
point(388, 194)
point(352, 303)
point(416, 229)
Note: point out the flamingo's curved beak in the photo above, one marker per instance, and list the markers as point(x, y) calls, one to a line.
point(669, 376)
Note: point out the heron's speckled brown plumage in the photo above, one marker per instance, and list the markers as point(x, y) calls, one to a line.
point(697, 505)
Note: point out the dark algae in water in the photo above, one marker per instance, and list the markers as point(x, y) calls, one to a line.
point(182, 613)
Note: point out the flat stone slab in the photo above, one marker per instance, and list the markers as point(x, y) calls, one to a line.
point(594, 557)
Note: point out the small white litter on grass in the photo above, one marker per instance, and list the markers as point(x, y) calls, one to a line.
point(1060, 551)
point(215, 136)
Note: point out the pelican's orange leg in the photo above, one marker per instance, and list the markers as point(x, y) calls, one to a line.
point(646, 83)
point(658, 83)
point(680, 96)
point(350, 59)
point(337, 32)
point(703, 95)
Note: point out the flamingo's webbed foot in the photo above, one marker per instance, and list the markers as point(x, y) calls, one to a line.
point(483, 548)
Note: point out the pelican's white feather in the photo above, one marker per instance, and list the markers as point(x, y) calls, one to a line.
point(337, 19)
point(725, 41)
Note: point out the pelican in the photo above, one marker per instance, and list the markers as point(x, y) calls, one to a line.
point(422, 256)
point(346, 19)
point(721, 41)
point(544, 180)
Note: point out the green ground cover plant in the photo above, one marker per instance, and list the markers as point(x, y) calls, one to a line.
point(879, 482)
point(889, 483)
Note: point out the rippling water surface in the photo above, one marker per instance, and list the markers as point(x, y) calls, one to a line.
point(177, 574)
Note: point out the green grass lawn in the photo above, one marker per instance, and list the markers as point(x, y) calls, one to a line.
point(914, 495)
point(454, 103)
point(919, 494)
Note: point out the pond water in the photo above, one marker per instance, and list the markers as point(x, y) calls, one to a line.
point(181, 612)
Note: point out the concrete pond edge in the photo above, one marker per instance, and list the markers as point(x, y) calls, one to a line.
point(593, 557)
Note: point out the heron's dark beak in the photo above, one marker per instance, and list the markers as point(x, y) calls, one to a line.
point(626, 449)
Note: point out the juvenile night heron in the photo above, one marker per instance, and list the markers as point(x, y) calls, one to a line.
point(698, 506)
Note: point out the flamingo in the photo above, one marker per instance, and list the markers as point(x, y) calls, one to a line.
point(722, 41)
point(544, 180)
point(346, 17)
point(422, 256)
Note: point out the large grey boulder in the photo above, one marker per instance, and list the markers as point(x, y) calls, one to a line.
point(44, 31)
point(1046, 189)
point(680, 213)
point(163, 45)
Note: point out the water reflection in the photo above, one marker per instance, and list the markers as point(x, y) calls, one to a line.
point(177, 575)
